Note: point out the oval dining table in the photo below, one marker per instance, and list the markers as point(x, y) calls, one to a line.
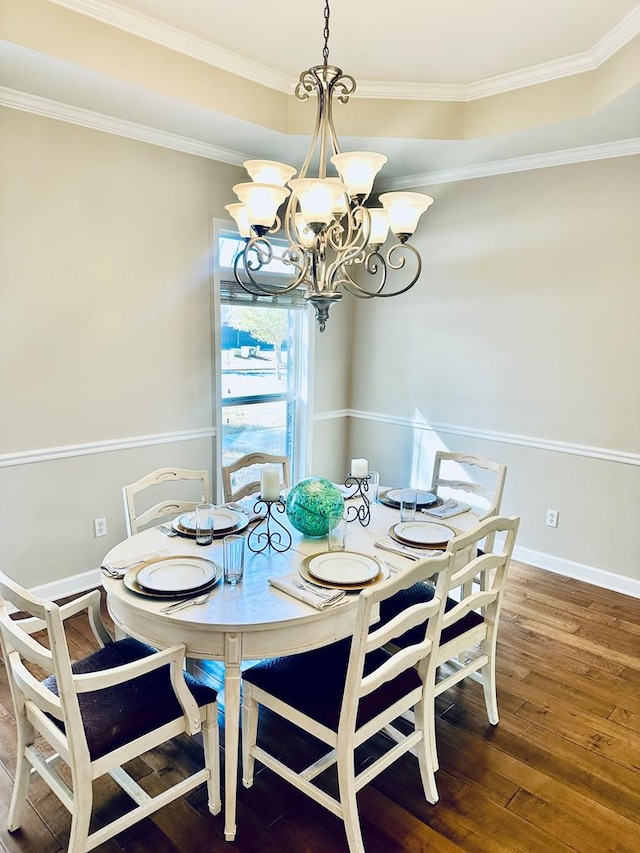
point(251, 620)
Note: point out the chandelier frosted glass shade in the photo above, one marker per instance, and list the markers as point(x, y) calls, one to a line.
point(261, 202)
point(269, 172)
point(241, 216)
point(337, 242)
point(358, 170)
point(404, 210)
point(317, 197)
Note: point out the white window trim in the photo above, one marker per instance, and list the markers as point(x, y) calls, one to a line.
point(303, 439)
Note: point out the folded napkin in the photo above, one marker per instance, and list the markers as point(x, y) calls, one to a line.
point(321, 598)
point(405, 551)
point(246, 506)
point(447, 509)
point(119, 568)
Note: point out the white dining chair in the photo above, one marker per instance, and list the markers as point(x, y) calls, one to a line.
point(471, 479)
point(166, 507)
point(242, 477)
point(469, 633)
point(98, 713)
point(346, 693)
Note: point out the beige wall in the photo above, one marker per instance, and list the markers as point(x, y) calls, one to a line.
point(106, 335)
point(105, 328)
point(525, 322)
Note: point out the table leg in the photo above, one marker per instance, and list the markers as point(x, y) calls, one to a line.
point(232, 658)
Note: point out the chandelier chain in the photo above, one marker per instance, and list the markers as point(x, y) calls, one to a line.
point(325, 49)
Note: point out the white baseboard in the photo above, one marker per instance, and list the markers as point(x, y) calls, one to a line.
point(72, 585)
point(75, 584)
point(578, 571)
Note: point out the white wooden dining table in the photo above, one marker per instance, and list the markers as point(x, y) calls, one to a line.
point(249, 621)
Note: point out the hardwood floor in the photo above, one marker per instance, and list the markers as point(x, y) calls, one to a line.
point(560, 773)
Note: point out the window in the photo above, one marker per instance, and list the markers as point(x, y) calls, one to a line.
point(262, 366)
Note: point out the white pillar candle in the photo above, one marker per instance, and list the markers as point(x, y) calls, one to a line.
point(270, 483)
point(359, 468)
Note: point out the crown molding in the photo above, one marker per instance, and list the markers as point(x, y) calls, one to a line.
point(153, 30)
point(120, 127)
point(567, 156)
point(164, 34)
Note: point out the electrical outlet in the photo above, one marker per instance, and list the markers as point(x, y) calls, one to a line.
point(100, 526)
point(552, 518)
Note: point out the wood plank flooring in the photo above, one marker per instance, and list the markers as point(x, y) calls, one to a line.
point(559, 774)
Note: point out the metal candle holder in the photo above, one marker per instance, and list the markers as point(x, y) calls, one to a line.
point(362, 512)
point(262, 536)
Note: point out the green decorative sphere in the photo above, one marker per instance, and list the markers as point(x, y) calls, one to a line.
point(311, 503)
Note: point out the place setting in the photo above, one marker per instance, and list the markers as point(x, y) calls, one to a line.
point(185, 578)
point(421, 534)
point(323, 580)
point(208, 522)
point(393, 498)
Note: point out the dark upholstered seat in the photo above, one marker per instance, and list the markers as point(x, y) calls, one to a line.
point(419, 593)
point(118, 715)
point(313, 682)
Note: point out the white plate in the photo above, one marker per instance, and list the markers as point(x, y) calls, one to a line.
point(304, 573)
point(175, 574)
point(343, 567)
point(423, 532)
point(223, 519)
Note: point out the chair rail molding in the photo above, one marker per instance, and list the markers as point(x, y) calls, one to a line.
point(607, 454)
point(46, 454)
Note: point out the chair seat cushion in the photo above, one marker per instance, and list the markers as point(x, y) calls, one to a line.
point(418, 594)
point(313, 683)
point(118, 715)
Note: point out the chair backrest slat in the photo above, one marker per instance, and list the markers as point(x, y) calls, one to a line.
point(367, 638)
point(135, 520)
point(481, 477)
point(18, 644)
point(488, 570)
point(233, 491)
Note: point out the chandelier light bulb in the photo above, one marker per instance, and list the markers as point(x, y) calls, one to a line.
point(239, 213)
point(317, 198)
point(358, 170)
point(261, 202)
point(269, 172)
point(405, 209)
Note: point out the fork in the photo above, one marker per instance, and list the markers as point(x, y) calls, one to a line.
point(168, 531)
point(119, 573)
point(187, 602)
point(316, 590)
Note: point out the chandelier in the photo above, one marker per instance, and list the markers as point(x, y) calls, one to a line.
point(331, 233)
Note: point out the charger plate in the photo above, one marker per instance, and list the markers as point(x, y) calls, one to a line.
point(424, 534)
point(131, 582)
point(391, 497)
point(175, 574)
point(382, 574)
point(218, 532)
point(223, 520)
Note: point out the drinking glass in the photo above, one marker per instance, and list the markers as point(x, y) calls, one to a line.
point(337, 536)
point(374, 482)
point(408, 499)
point(204, 524)
point(233, 558)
